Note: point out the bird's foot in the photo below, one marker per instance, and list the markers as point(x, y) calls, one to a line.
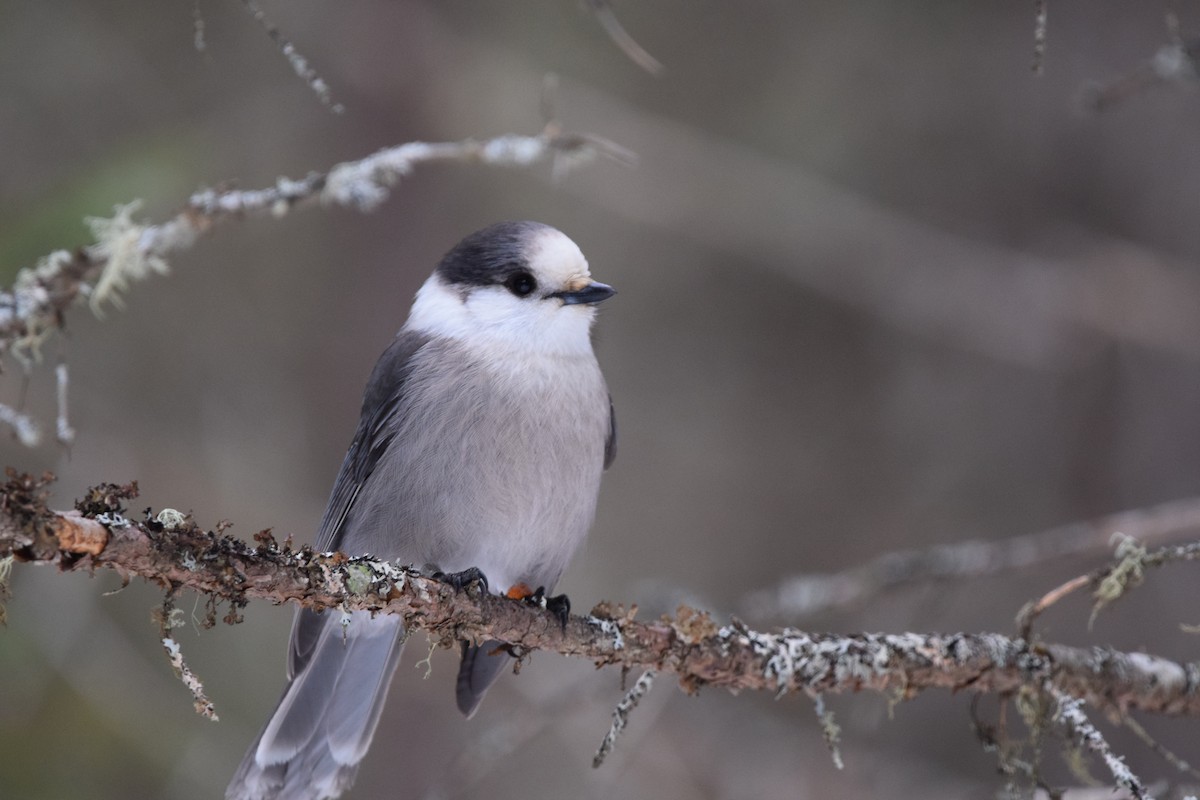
point(461, 580)
point(559, 605)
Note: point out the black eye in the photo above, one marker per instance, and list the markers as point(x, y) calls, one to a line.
point(521, 284)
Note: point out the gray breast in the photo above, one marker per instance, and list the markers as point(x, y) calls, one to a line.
point(495, 464)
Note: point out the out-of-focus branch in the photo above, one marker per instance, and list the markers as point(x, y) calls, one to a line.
point(809, 594)
point(126, 251)
point(1172, 63)
point(1040, 13)
point(621, 38)
point(1111, 582)
point(288, 50)
point(1087, 736)
point(172, 551)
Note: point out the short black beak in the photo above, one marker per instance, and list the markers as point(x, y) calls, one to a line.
point(591, 294)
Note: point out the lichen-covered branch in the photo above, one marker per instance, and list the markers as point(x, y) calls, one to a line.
point(126, 250)
point(1087, 736)
point(172, 551)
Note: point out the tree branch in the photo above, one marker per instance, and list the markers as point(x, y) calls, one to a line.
point(175, 553)
point(126, 251)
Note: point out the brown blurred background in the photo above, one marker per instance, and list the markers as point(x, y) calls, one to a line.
point(880, 288)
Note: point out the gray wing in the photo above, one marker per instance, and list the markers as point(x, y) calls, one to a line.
point(338, 671)
point(610, 444)
point(382, 400)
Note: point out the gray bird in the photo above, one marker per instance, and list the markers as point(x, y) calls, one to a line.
point(485, 428)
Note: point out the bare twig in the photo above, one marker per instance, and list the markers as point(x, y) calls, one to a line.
point(299, 62)
point(1033, 611)
point(690, 645)
point(620, 716)
point(1111, 582)
point(198, 40)
point(25, 428)
point(807, 594)
point(1173, 63)
point(1040, 14)
point(1165, 754)
point(63, 430)
point(604, 13)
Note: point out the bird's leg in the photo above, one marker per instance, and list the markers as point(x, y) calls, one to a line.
point(461, 580)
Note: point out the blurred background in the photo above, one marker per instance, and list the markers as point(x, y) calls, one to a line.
point(880, 288)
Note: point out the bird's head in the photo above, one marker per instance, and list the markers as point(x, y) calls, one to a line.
point(520, 284)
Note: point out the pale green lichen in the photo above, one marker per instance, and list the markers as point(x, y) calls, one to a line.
point(427, 661)
point(170, 519)
point(1128, 573)
point(830, 730)
point(126, 261)
point(359, 578)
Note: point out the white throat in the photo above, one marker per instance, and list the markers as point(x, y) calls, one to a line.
point(492, 318)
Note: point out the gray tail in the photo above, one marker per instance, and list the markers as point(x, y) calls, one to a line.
point(481, 666)
point(339, 676)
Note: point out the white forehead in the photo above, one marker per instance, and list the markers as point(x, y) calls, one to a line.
point(554, 258)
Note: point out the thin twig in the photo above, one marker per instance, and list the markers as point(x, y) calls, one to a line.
point(602, 9)
point(25, 428)
point(1040, 15)
point(299, 63)
point(1070, 714)
point(1166, 755)
point(198, 40)
point(63, 430)
point(830, 731)
point(1031, 612)
point(170, 617)
point(1113, 581)
point(809, 594)
point(621, 714)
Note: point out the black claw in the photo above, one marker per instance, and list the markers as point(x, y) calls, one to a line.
point(461, 580)
point(560, 606)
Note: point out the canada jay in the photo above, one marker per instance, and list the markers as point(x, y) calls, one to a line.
point(485, 428)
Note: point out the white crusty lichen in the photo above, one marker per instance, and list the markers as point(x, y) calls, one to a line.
point(620, 715)
point(126, 249)
point(204, 706)
point(22, 425)
point(610, 628)
point(111, 519)
point(1085, 735)
point(366, 183)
